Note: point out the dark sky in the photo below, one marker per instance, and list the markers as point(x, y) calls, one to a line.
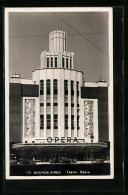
point(87, 38)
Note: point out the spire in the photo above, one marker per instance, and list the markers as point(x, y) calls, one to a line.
point(101, 76)
point(100, 72)
point(15, 65)
point(57, 23)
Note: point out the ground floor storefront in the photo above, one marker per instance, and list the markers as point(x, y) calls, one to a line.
point(60, 159)
point(52, 153)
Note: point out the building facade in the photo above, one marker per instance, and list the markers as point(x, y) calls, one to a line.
point(58, 107)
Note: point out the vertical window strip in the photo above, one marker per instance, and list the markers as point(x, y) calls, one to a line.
point(48, 86)
point(55, 83)
point(55, 62)
point(41, 121)
point(47, 62)
point(77, 92)
point(72, 88)
point(41, 87)
point(66, 84)
point(78, 121)
point(66, 62)
point(77, 86)
point(63, 62)
point(72, 121)
point(55, 86)
point(66, 121)
point(72, 85)
point(55, 121)
point(70, 62)
point(48, 121)
point(51, 62)
point(66, 87)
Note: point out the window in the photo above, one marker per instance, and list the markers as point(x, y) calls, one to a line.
point(72, 88)
point(55, 98)
point(41, 108)
point(72, 99)
point(77, 89)
point(72, 105)
point(66, 62)
point(48, 104)
point(41, 87)
point(48, 83)
point(47, 62)
point(72, 85)
point(55, 62)
point(66, 121)
point(48, 121)
point(66, 99)
point(78, 122)
point(41, 121)
point(72, 121)
point(55, 107)
point(55, 121)
point(77, 86)
point(55, 86)
point(66, 87)
point(70, 62)
point(66, 104)
point(63, 62)
point(51, 62)
point(55, 104)
point(65, 43)
point(66, 84)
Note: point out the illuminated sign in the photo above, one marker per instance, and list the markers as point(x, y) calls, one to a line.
point(61, 140)
point(88, 118)
point(29, 113)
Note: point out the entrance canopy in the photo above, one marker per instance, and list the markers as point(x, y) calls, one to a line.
point(59, 147)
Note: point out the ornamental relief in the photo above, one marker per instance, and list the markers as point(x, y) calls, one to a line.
point(29, 118)
point(88, 118)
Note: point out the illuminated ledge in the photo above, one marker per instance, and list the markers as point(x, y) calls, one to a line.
point(59, 146)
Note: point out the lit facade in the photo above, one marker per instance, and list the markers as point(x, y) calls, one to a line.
point(57, 105)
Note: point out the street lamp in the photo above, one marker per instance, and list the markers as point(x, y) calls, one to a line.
point(92, 137)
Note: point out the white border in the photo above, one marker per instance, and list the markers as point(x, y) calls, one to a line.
point(111, 127)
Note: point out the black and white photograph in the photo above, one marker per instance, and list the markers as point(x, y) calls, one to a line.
point(59, 93)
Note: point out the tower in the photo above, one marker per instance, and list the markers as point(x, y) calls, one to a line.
point(59, 90)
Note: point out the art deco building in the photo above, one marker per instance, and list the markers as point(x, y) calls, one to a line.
point(57, 107)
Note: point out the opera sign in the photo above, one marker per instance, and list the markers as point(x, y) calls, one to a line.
point(62, 140)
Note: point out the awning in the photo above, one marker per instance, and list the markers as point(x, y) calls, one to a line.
point(54, 147)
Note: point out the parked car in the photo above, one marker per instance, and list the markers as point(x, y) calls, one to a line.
point(32, 162)
point(64, 160)
point(26, 162)
point(99, 160)
point(53, 160)
point(74, 161)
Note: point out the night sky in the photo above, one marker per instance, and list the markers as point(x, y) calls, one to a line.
point(87, 37)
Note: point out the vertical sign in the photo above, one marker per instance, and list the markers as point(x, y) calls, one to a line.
point(29, 118)
point(88, 118)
